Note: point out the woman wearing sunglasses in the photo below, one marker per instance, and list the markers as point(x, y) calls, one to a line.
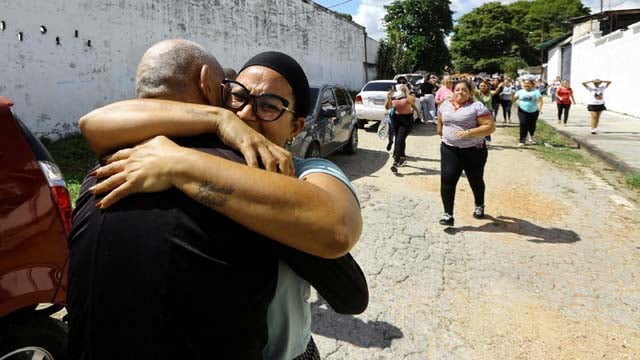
point(316, 211)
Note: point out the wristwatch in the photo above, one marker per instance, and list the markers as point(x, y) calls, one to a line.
point(468, 133)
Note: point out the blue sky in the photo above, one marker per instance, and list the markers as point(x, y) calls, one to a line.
point(368, 13)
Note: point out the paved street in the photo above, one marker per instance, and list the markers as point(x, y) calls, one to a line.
point(552, 273)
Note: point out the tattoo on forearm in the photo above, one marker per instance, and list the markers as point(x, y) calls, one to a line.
point(213, 196)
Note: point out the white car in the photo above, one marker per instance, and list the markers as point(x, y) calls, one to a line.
point(370, 101)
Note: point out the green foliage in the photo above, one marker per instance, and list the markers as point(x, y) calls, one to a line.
point(416, 31)
point(633, 179)
point(344, 16)
point(74, 157)
point(496, 37)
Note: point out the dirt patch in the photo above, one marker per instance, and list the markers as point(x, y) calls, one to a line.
point(525, 330)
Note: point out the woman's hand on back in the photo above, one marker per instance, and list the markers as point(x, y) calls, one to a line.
point(144, 168)
point(255, 147)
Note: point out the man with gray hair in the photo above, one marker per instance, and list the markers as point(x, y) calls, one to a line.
point(161, 276)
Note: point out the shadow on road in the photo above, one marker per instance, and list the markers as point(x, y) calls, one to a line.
point(364, 163)
point(509, 224)
point(347, 328)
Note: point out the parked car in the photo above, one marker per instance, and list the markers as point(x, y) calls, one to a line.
point(330, 126)
point(35, 219)
point(370, 101)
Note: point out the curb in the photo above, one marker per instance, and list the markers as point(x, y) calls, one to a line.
point(595, 150)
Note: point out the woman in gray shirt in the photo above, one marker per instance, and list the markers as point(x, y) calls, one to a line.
point(462, 124)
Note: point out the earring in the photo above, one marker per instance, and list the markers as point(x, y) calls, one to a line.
point(289, 141)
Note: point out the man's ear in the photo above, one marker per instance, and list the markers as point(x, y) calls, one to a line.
point(208, 87)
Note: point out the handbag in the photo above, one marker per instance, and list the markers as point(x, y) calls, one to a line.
point(383, 128)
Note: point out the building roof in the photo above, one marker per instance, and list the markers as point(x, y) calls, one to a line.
point(601, 15)
point(553, 42)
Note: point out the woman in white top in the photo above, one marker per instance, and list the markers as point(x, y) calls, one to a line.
point(596, 100)
point(505, 100)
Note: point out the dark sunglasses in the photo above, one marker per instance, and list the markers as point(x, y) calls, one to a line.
point(266, 107)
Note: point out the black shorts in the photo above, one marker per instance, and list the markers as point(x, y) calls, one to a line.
point(596, 107)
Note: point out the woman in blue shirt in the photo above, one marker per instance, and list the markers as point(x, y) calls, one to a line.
point(529, 107)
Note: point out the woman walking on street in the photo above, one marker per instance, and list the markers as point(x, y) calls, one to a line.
point(564, 99)
point(403, 104)
point(596, 100)
point(505, 100)
point(462, 125)
point(529, 108)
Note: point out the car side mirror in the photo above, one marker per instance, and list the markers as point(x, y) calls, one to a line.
point(329, 112)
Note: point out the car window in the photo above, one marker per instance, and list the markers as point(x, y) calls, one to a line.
point(327, 101)
point(342, 97)
point(378, 86)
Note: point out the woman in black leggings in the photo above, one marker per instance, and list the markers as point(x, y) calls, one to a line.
point(462, 125)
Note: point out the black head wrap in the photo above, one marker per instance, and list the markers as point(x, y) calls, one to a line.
point(286, 66)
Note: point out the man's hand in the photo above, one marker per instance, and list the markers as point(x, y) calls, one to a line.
point(255, 147)
point(144, 168)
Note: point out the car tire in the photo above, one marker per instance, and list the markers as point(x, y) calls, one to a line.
point(361, 123)
point(352, 145)
point(313, 151)
point(38, 336)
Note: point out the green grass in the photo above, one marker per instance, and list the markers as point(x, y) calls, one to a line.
point(74, 157)
point(633, 180)
point(561, 150)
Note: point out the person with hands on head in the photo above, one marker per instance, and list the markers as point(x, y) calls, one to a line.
point(529, 108)
point(404, 104)
point(462, 125)
point(270, 98)
point(596, 101)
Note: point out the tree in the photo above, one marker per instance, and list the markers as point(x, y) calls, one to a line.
point(495, 36)
point(416, 29)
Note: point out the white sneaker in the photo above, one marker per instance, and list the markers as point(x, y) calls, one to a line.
point(521, 144)
point(593, 131)
point(532, 140)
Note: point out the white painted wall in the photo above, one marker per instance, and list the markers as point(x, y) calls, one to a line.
point(53, 85)
point(554, 64)
point(612, 57)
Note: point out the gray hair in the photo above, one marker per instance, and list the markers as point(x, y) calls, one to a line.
point(171, 68)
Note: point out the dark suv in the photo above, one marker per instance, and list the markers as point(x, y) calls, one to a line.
point(35, 218)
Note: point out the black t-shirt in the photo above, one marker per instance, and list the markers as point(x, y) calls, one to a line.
point(160, 276)
point(426, 88)
point(148, 280)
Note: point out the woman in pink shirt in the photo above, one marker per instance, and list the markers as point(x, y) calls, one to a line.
point(445, 91)
point(403, 104)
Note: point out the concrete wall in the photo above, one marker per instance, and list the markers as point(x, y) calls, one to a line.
point(54, 84)
point(554, 64)
point(612, 57)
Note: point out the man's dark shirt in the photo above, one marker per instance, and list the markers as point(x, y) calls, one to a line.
point(161, 276)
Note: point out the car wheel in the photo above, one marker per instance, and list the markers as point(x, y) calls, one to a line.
point(361, 123)
point(313, 151)
point(352, 145)
point(37, 337)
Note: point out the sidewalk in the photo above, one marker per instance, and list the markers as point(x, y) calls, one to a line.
point(617, 141)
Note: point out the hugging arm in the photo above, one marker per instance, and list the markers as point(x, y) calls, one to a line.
point(340, 281)
point(128, 122)
point(319, 206)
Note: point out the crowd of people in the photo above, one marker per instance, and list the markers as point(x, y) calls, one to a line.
point(465, 109)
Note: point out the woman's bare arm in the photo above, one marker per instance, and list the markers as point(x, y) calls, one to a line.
point(130, 122)
point(318, 214)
